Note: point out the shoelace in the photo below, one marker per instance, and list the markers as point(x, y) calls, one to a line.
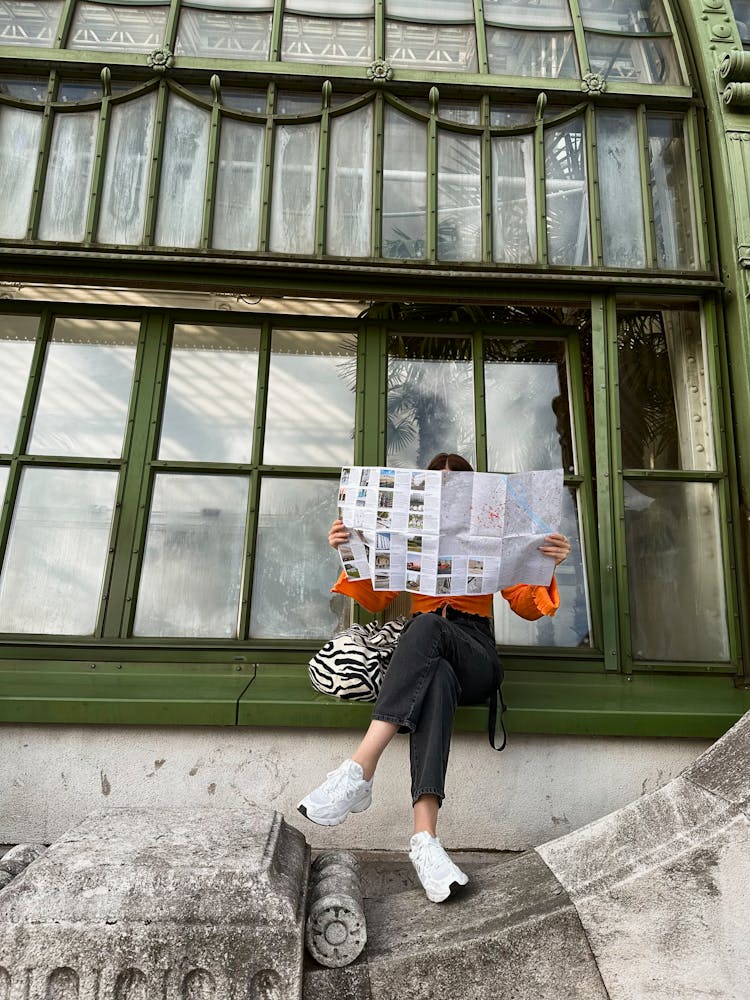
point(337, 780)
point(429, 853)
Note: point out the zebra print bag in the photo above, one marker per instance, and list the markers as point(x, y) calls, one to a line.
point(353, 664)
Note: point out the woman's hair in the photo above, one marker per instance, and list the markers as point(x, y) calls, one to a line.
point(456, 463)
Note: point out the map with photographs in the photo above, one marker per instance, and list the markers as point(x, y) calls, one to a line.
point(443, 533)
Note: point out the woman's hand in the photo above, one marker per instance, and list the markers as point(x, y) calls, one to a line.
point(338, 535)
point(556, 546)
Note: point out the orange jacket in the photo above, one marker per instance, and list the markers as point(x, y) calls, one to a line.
point(528, 601)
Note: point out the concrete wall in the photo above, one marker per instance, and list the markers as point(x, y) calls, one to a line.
point(539, 787)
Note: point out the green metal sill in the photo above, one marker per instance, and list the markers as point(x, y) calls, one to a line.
point(278, 694)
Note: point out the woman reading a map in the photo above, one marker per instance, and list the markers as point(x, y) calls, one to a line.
point(446, 657)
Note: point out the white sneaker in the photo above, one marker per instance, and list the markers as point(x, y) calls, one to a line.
point(437, 873)
point(344, 790)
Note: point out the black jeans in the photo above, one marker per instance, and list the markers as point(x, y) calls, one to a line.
point(439, 663)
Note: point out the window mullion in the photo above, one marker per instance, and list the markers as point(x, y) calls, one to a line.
point(212, 164)
point(264, 226)
point(580, 37)
point(379, 29)
point(649, 227)
point(323, 144)
point(276, 30)
point(486, 168)
point(480, 410)
point(97, 173)
point(540, 183)
point(377, 184)
point(45, 142)
point(248, 569)
point(264, 363)
point(592, 175)
point(63, 27)
point(482, 59)
point(160, 122)
point(432, 176)
point(699, 194)
point(170, 28)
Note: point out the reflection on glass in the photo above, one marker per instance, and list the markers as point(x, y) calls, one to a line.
point(430, 400)
point(459, 230)
point(82, 406)
point(110, 28)
point(665, 409)
point(224, 34)
point(531, 53)
point(328, 40)
point(350, 184)
point(672, 192)
point(66, 187)
point(404, 186)
point(741, 10)
point(29, 22)
point(20, 132)
point(28, 88)
point(629, 16)
point(125, 187)
point(567, 193)
point(459, 111)
point(623, 240)
point(295, 178)
point(434, 47)
point(513, 199)
point(310, 409)
point(193, 558)
point(526, 400)
point(17, 336)
point(571, 625)
point(183, 176)
point(238, 186)
point(210, 400)
point(509, 115)
point(294, 565)
point(646, 60)
point(673, 540)
point(57, 550)
point(542, 13)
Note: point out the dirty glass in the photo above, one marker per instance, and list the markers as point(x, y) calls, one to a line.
point(404, 186)
point(430, 399)
point(348, 229)
point(83, 400)
point(459, 197)
point(540, 14)
point(741, 10)
point(665, 405)
point(571, 625)
point(238, 186)
point(111, 28)
point(226, 30)
point(328, 40)
point(512, 52)
point(629, 16)
point(443, 36)
point(29, 22)
point(641, 60)
point(294, 184)
point(122, 215)
point(623, 239)
point(527, 408)
point(68, 179)
point(210, 401)
point(20, 132)
point(57, 551)
point(672, 192)
point(17, 337)
point(513, 199)
point(183, 176)
point(311, 395)
point(4, 470)
point(567, 193)
point(195, 550)
point(676, 591)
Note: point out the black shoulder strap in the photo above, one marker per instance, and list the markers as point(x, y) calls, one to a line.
point(497, 693)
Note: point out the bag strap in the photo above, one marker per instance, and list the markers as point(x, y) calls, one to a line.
point(492, 720)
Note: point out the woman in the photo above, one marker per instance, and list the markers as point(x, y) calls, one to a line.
point(445, 657)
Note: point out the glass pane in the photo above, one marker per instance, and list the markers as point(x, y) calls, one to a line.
point(238, 186)
point(244, 100)
point(311, 392)
point(108, 28)
point(567, 193)
point(183, 175)
point(210, 401)
point(82, 406)
point(526, 53)
point(404, 186)
point(349, 227)
point(647, 60)
point(126, 172)
point(526, 389)
point(451, 47)
point(294, 565)
point(621, 206)
point(28, 88)
point(326, 40)
point(538, 13)
point(672, 193)
point(57, 551)
point(571, 625)
point(223, 34)
point(430, 400)
point(17, 337)
point(665, 408)
point(459, 231)
point(291, 102)
point(29, 22)
point(508, 115)
point(4, 470)
point(630, 16)
point(741, 10)
point(295, 179)
point(20, 132)
point(459, 111)
point(425, 10)
point(513, 199)
point(675, 581)
point(74, 91)
point(66, 187)
point(339, 8)
point(192, 564)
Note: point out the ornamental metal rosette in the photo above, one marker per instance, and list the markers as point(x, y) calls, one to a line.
point(160, 60)
point(380, 71)
point(593, 83)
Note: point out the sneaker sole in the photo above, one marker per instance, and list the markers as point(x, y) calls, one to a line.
point(325, 821)
point(452, 890)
